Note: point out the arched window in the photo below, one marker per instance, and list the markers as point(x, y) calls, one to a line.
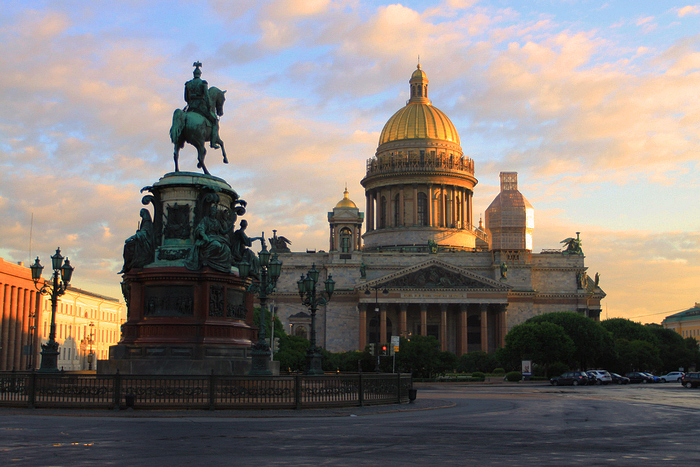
point(398, 208)
point(300, 331)
point(422, 209)
point(345, 240)
point(382, 213)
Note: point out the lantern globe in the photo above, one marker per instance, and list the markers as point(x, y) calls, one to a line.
point(66, 272)
point(309, 283)
point(57, 260)
point(264, 256)
point(330, 285)
point(275, 268)
point(314, 273)
point(36, 268)
point(244, 269)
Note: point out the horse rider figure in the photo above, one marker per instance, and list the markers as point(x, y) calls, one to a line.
point(197, 98)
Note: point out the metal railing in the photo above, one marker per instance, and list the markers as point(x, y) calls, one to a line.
point(61, 390)
point(395, 163)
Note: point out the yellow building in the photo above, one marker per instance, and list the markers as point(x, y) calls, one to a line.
point(86, 323)
point(686, 323)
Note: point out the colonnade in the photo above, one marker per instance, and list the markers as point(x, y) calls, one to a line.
point(486, 323)
point(19, 339)
point(446, 206)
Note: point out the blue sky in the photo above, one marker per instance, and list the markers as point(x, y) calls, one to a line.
point(595, 104)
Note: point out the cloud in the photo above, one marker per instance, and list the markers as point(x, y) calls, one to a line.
point(688, 10)
point(578, 110)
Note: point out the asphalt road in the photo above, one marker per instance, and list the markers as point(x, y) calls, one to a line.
point(479, 425)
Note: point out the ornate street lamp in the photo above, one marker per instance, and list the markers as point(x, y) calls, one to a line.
point(270, 270)
point(91, 356)
point(49, 351)
point(376, 320)
point(307, 292)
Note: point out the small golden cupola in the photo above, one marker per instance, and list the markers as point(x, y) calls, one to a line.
point(346, 202)
point(345, 226)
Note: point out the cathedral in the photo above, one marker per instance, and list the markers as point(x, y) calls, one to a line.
point(421, 266)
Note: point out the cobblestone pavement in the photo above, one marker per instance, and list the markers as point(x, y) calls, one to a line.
point(450, 424)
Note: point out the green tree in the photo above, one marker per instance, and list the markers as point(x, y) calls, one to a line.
point(637, 355)
point(593, 344)
point(422, 356)
point(673, 351)
point(543, 343)
point(621, 328)
point(292, 353)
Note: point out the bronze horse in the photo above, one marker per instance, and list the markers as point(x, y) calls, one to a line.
point(193, 128)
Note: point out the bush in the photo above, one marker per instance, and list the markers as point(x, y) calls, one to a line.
point(499, 371)
point(514, 376)
point(477, 361)
point(477, 375)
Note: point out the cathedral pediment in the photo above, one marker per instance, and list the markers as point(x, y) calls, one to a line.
point(435, 274)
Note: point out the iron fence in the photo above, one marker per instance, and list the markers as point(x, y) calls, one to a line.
point(65, 390)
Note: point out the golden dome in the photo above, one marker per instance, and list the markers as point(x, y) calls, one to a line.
point(346, 202)
point(419, 119)
point(419, 74)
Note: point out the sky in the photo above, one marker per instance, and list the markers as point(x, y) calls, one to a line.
point(596, 105)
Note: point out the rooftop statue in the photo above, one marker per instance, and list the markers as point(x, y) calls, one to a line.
point(198, 123)
point(573, 245)
point(279, 244)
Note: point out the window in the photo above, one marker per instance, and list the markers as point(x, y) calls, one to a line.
point(422, 209)
point(382, 213)
point(397, 209)
point(345, 236)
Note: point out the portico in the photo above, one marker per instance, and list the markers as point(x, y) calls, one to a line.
point(464, 311)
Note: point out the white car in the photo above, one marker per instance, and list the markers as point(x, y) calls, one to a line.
point(672, 376)
point(601, 376)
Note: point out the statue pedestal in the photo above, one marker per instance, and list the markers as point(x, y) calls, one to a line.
point(188, 313)
point(184, 322)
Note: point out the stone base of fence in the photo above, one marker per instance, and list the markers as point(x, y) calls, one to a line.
point(117, 391)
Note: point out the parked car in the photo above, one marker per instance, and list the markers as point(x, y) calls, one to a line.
point(691, 380)
point(617, 379)
point(599, 377)
point(672, 376)
point(574, 378)
point(639, 377)
point(654, 379)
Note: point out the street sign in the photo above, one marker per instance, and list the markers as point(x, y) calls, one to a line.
point(395, 343)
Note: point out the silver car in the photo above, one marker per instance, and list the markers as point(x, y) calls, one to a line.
point(601, 376)
point(672, 376)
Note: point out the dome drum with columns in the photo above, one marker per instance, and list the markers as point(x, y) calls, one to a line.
point(467, 287)
point(419, 185)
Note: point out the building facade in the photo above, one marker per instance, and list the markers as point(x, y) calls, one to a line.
point(86, 323)
point(422, 267)
point(686, 323)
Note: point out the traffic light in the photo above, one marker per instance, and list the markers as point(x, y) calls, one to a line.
point(276, 344)
point(372, 349)
point(385, 350)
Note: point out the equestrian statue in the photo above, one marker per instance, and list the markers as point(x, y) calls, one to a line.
point(198, 123)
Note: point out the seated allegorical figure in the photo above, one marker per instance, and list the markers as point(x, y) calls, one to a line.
point(139, 249)
point(211, 244)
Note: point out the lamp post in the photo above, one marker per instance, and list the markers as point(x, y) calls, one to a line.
point(49, 351)
point(91, 356)
point(377, 326)
point(270, 270)
point(307, 293)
